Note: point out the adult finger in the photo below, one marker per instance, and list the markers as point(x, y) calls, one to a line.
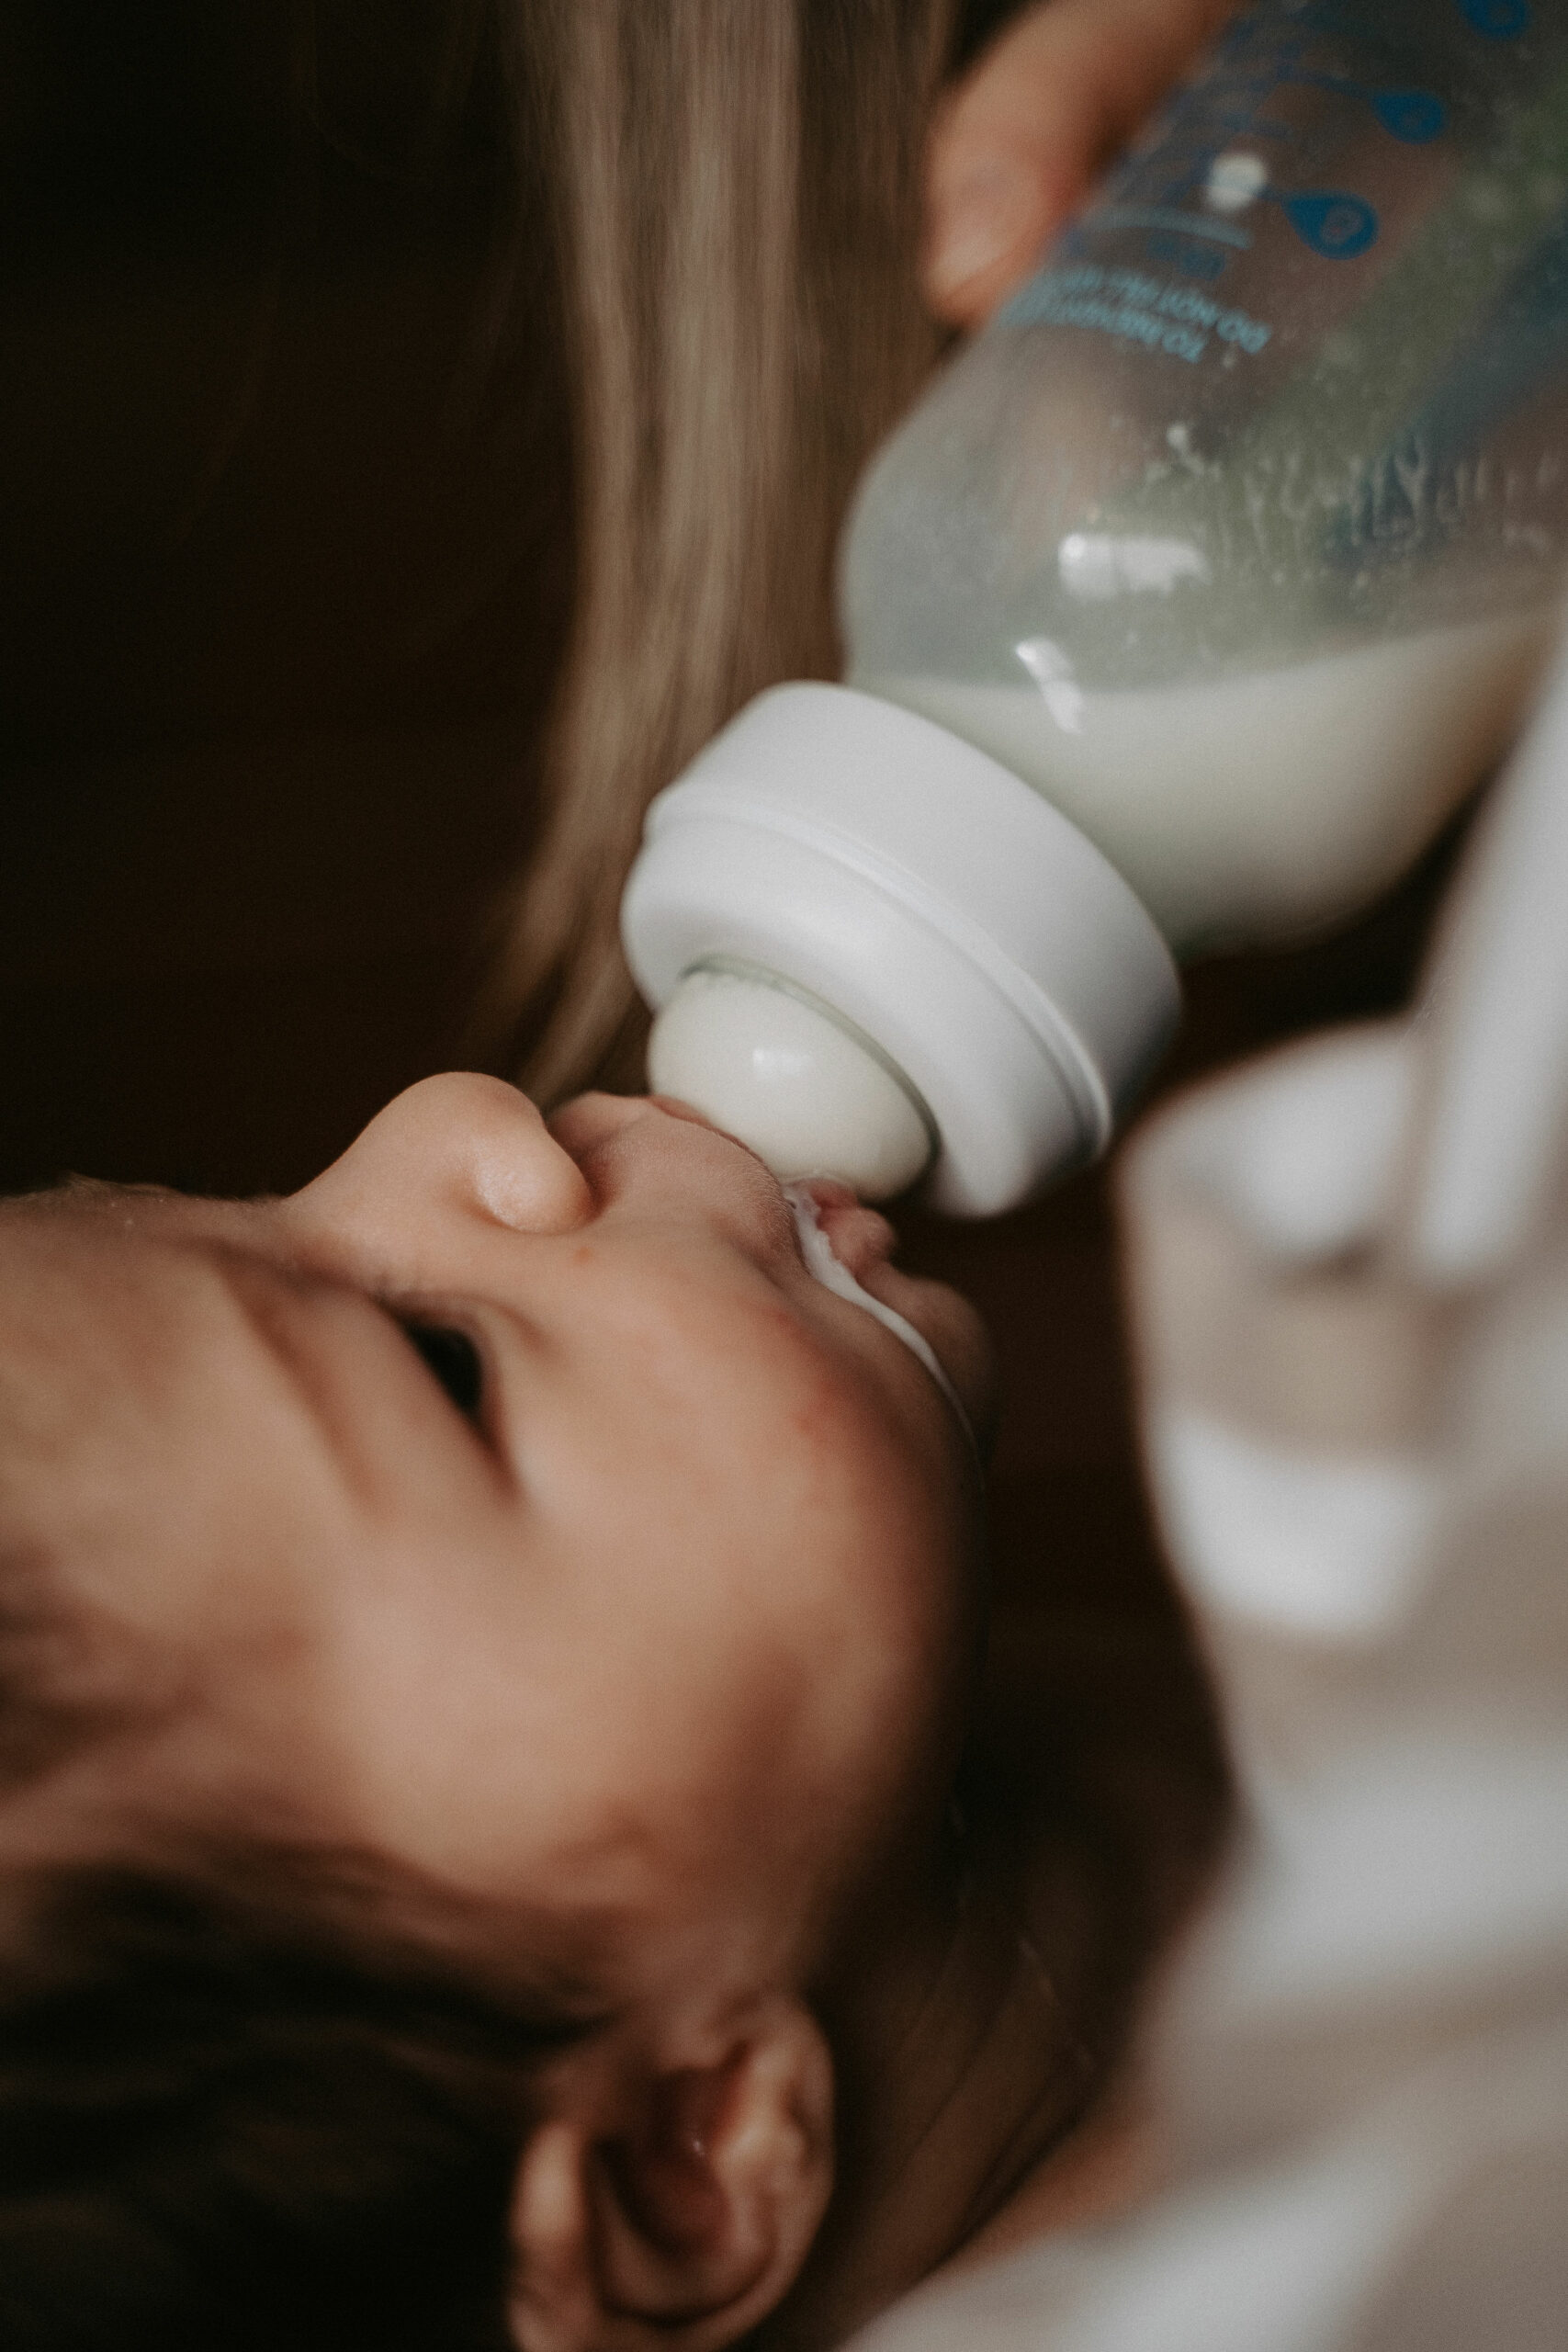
point(1017, 142)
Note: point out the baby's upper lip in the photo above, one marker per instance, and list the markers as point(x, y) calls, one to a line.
point(860, 1239)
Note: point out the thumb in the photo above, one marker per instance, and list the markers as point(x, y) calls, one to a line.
point(1019, 140)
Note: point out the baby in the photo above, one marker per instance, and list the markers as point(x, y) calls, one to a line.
point(485, 1648)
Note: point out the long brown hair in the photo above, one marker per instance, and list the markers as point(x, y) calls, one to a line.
point(735, 184)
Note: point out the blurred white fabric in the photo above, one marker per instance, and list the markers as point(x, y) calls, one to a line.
point(1350, 1274)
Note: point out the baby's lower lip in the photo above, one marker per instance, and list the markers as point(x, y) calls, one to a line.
point(857, 1236)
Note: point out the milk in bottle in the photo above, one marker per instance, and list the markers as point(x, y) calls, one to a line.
point(1181, 613)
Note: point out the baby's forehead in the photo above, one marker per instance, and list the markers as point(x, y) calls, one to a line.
point(146, 1433)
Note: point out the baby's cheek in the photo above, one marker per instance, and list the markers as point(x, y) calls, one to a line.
point(898, 1597)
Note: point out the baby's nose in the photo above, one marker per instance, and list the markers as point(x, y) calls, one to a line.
point(458, 1146)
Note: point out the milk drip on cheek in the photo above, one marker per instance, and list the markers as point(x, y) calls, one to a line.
point(820, 1261)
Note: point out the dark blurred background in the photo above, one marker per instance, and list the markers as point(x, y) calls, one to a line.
point(283, 573)
point(286, 493)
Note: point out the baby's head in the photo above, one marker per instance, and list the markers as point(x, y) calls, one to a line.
point(484, 1644)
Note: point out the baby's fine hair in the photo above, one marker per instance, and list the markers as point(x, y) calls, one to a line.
point(254, 2092)
point(239, 2108)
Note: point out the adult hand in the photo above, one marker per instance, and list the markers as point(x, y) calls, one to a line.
point(1018, 141)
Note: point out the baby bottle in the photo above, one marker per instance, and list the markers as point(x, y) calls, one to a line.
point(1179, 613)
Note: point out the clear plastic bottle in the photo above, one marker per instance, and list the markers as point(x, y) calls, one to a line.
point(1239, 537)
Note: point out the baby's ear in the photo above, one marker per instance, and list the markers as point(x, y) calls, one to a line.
point(683, 2221)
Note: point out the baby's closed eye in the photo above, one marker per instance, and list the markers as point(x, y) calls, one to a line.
point(452, 1360)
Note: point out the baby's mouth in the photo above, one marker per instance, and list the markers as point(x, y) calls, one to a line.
point(862, 1241)
point(819, 1247)
point(859, 1240)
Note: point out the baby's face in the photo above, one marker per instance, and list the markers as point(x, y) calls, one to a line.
point(513, 1500)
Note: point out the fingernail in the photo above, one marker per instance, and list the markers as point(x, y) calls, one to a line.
point(977, 224)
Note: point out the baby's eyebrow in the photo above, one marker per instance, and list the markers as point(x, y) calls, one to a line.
point(270, 1297)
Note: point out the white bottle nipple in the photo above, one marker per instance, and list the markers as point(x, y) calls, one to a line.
point(768, 1066)
point(882, 957)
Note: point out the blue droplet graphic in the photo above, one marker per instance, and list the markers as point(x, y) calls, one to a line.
point(1335, 225)
point(1415, 115)
point(1497, 19)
